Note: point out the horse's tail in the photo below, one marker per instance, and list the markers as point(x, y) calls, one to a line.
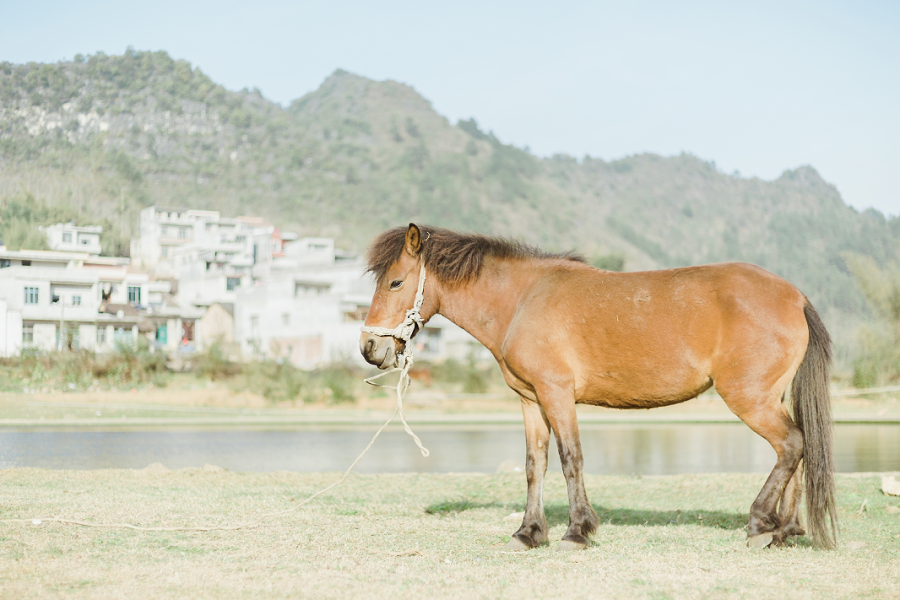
point(812, 413)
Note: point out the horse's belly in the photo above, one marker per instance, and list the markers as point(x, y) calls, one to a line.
point(623, 395)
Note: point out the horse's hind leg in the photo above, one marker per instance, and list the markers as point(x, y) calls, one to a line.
point(771, 420)
point(789, 508)
point(533, 531)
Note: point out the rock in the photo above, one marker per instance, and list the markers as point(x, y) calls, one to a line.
point(890, 486)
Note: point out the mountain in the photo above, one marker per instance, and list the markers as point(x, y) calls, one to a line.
point(104, 136)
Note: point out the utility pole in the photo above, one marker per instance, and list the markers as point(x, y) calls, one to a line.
point(62, 320)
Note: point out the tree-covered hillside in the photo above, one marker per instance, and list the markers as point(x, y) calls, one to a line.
point(104, 136)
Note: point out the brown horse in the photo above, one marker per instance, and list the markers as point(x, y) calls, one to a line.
point(565, 333)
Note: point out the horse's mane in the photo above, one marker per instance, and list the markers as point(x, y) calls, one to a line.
point(452, 257)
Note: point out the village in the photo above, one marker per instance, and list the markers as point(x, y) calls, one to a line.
point(197, 278)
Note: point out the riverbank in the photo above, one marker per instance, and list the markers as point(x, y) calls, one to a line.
point(205, 404)
point(415, 536)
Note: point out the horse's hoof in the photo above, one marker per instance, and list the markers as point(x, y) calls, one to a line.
point(762, 540)
point(569, 546)
point(516, 545)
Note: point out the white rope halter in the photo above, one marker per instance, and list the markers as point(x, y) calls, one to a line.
point(403, 332)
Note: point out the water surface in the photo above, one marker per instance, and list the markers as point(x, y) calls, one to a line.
point(608, 449)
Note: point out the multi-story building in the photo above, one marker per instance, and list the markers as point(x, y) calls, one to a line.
point(69, 237)
point(162, 229)
point(172, 238)
point(52, 300)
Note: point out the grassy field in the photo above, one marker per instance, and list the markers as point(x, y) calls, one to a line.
point(421, 536)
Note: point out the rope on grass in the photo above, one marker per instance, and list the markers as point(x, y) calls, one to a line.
point(42, 520)
point(404, 331)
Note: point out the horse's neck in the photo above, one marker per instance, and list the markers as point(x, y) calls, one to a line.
point(485, 307)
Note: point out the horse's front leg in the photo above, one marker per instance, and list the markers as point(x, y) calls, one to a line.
point(533, 531)
point(559, 406)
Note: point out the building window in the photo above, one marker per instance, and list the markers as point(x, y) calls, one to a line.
point(134, 294)
point(285, 318)
point(232, 283)
point(4, 263)
point(31, 295)
point(27, 335)
point(85, 241)
point(76, 300)
point(26, 263)
point(101, 335)
point(356, 315)
point(164, 251)
point(67, 238)
point(310, 289)
point(240, 239)
point(182, 232)
point(254, 323)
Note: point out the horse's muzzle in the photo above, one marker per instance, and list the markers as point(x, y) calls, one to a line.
point(380, 351)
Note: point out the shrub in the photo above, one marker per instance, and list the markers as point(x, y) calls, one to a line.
point(877, 362)
point(469, 375)
point(214, 363)
point(78, 370)
point(274, 380)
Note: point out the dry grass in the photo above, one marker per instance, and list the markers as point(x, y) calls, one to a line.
point(414, 536)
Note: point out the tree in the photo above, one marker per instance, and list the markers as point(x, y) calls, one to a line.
point(879, 357)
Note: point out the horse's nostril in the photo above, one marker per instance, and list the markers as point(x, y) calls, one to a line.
point(370, 346)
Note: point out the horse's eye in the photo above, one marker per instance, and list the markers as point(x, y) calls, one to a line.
point(395, 285)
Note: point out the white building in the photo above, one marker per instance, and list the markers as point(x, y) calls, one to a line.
point(310, 310)
point(178, 240)
point(162, 229)
point(52, 300)
point(307, 310)
point(94, 302)
point(68, 237)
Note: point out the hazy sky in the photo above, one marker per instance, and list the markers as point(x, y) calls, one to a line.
point(758, 88)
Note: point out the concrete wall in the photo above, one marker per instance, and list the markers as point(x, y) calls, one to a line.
point(45, 336)
point(218, 324)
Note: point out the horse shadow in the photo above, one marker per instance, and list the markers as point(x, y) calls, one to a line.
point(558, 514)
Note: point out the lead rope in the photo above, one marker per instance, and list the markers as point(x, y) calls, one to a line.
point(404, 331)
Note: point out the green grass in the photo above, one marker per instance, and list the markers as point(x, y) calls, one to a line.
point(416, 535)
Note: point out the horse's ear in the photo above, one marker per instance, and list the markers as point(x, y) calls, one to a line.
point(413, 240)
